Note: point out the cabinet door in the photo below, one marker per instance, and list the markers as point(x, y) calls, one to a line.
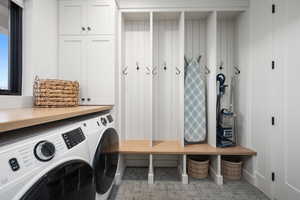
point(72, 61)
point(72, 18)
point(100, 17)
point(260, 96)
point(287, 44)
point(100, 70)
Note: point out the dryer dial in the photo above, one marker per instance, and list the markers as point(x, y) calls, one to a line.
point(44, 151)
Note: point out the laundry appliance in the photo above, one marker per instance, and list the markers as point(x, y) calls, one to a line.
point(103, 143)
point(48, 162)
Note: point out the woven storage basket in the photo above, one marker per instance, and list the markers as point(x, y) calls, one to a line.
point(198, 167)
point(55, 93)
point(231, 169)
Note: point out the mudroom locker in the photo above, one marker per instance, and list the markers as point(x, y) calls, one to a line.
point(154, 50)
point(241, 40)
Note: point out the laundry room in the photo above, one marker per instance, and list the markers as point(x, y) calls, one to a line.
point(149, 99)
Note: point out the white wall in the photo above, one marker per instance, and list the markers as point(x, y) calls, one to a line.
point(40, 41)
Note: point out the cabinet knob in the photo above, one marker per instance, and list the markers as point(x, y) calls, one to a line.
point(89, 28)
point(89, 99)
point(82, 99)
point(82, 28)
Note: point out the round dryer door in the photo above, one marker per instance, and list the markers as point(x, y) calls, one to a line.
point(105, 162)
point(72, 180)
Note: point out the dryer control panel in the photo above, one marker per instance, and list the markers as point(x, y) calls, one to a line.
point(74, 137)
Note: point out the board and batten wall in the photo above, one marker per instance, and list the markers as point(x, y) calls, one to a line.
point(275, 93)
point(40, 53)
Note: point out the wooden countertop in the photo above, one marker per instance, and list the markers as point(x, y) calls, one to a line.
point(174, 147)
point(11, 119)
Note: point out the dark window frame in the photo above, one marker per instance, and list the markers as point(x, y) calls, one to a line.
point(15, 59)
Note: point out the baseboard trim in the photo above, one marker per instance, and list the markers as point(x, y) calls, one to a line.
point(118, 178)
point(150, 178)
point(249, 177)
point(120, 171)
point(185, 179)
point(218, 179)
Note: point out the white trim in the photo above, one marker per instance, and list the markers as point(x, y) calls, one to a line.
point(249, 177)
point(151, 173)
point(134, 10)
point(185, 179)
point(218, 179)
point(19, 2)
point(150, 178)
point(292, 188)
point(184, 176)
point(120, 171)
point(142, 4)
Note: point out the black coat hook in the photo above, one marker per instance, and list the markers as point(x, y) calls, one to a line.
point(238, 71)
point(165, 66)
point(199, 58)
point(221, 66)
point(137, 66)
point(186, 60)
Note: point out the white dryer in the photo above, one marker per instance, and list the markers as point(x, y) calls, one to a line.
point(103, 143)
point(49, 163)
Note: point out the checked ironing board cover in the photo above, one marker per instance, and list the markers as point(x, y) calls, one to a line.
point(194, 103)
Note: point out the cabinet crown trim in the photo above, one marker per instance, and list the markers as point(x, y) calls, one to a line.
point(147, 4)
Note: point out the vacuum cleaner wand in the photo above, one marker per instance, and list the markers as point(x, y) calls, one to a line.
point(225, 118)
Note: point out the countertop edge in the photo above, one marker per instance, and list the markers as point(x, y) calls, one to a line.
point(49, 116)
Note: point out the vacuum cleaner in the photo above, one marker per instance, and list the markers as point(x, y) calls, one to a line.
point(225, 118)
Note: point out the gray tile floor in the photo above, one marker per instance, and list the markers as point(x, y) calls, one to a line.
point(167, 186)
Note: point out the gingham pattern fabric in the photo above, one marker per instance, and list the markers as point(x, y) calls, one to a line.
point(194, 103)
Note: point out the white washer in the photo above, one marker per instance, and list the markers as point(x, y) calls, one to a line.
point(103, 143)
point(46, 163)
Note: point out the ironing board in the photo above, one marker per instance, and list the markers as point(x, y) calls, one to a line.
point(194, 103)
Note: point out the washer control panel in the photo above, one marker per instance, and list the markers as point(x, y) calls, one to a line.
point(14, 164)
point(44, 151)
point(110, 118)
point(103, 121)
point(74, 137)
point(19, 159)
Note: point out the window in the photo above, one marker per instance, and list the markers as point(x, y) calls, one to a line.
point(10, 48)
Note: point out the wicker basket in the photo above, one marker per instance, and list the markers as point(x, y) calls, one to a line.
point(232, 168)
point(55, 93)
point(198, 167)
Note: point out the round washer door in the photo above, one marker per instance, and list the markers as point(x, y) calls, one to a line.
point(72, 180)
point(106, 159)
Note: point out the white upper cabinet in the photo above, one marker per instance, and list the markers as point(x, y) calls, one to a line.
point(86, 48)
point(100, 18)
point(101, 70)
point(89, 60)
point(94, 17)
point(72, 61)
point(72, 16)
